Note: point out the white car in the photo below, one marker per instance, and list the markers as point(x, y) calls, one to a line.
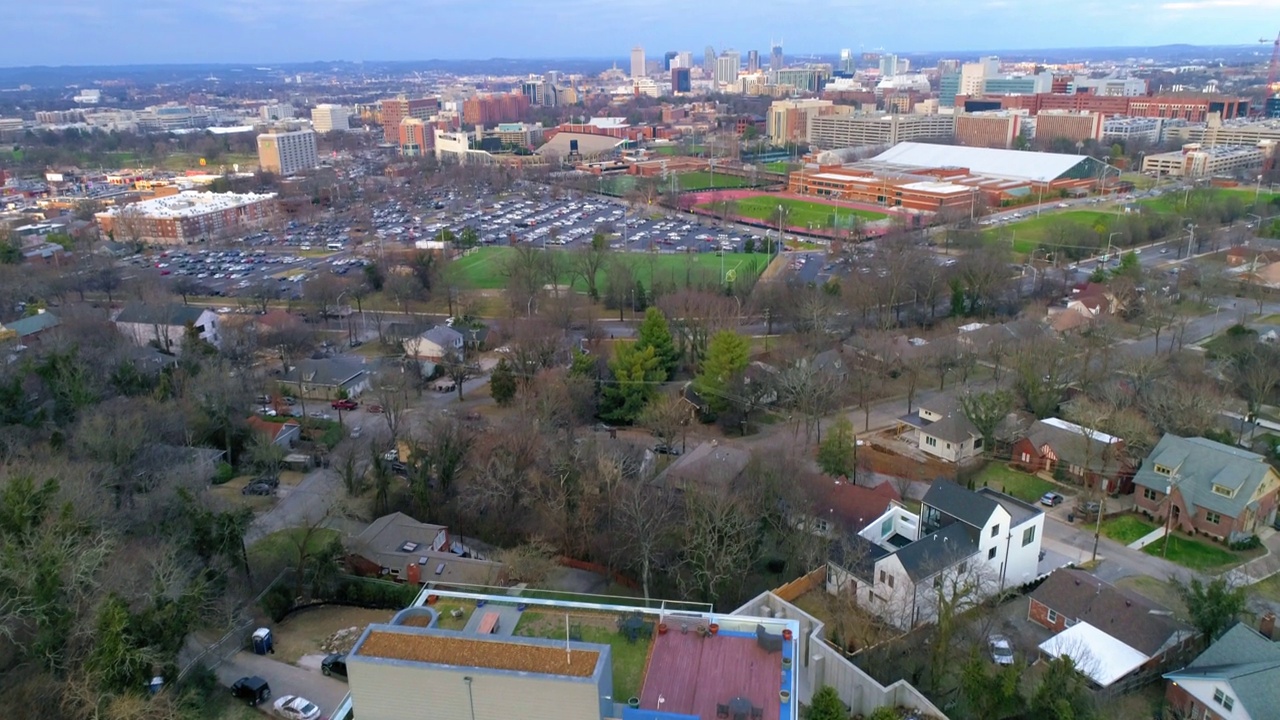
point(296, 707)
point(1001, 649)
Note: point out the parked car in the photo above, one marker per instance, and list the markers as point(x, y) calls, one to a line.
point(1051, 499)
point(1089, 508)
point(335, 664)
point(1001, 649)
point(375, 409)
point(251, 689)
point(258, 488)
point(296, 707)
point(344, 404)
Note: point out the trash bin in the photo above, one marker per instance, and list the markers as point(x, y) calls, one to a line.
point(262, 643)
point(1071, 517)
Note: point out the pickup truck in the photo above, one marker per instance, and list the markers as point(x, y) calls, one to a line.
point(344, 404)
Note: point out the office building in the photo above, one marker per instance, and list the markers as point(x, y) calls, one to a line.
point(417, 137)
point(275, 112)
point(947, 67)
point(330, 118)
point(788, 120)
point(753, 60)
point(1148, 130)
point(681, 82)
point(287, 152)
point(828, 132)
point(667, 58)
point(1272, 108)
point(1191, 107)
point(709, 61)
point(637, 62)
point(727, 67)
point(997, 129)
point(683, 59)
point(398, 108)
point(888, 65)
point(188, 217)
point(1197, 161)
point(1110, 87)
point(948, 89)
point(848, 64)
point(520, 135)
point(808, 79)
point(974, 74)
point(496, 108)
point(1017, 84)
point(170, 117)
point(1066, 125)
point(775, 56)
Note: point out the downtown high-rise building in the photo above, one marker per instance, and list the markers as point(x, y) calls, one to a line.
point(680, 80)
point(709, 60)
point(753, 60)
point(727, 67)
point(684, 59)
point(637, 62)
point(667, 58)
point(775, 55)
point(848, 63)
point(286, 152)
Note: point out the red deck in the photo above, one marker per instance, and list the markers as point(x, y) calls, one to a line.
point(694, 674)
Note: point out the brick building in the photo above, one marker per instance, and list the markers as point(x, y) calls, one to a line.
point(496, 108)
point(992, 129)
point(1067, 125)
point(398, 108)
point(188, 216)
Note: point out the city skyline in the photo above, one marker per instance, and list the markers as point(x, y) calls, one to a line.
point(274, 31)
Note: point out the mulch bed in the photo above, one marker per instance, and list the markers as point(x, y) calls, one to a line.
point(494, 655)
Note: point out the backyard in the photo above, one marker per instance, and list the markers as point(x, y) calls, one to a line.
point(629, 657)
point(801, 212)
point(1025, 487)
point(483, 268)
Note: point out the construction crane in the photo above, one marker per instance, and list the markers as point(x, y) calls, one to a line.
point(1273, 73)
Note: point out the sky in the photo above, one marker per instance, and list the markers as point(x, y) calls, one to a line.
point(116, 32)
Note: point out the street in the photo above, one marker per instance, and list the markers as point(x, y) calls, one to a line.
point(285, 679)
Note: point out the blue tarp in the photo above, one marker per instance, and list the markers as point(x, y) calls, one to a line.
point(641, 714)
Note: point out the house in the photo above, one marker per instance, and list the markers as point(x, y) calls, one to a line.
point(1127, 633)
point(942, 430)
point(978, 337)
point(401, 547)
point(285, 434)
point(838, 508)
point(1238, 676)
point(26, 331)
point(432, 346)
point(1074, 452)
point(710, 465)
point(1198, 485)
point(1093, 300)
point(964, 546)
point(328, 378)
point(166, 326)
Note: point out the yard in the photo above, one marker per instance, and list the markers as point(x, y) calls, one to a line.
point(1027, 235)
point(1126, 528)
point(702, 180)
point(1025, 487)
point(281, 547)
point(1193, 554)
point(482, 269)
point(801, 212)
point(1177, 202)
point(312, 631)
point(629, 658)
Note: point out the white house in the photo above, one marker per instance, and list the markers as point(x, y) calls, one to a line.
point(943, 431)
point(432, 346)
point(963, 547)
point(166, 325)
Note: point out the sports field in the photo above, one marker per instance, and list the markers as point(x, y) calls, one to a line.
point(483, 268)
point(1027, 235)
point(801, 212)
point(703, 180)
point(779, 167)
point(1176, 202)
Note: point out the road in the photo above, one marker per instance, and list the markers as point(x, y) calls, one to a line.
point(285, 679)
point(1076, 542)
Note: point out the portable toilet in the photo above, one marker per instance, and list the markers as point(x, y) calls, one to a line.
point(262, 643)
point(155, 685)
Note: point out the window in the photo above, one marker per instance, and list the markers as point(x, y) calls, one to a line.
point(822, 525)
point(931, 441)
point(1213, 517)
point(991, 554)
point(1026, 457)
point(948, 446)
point(1150, 494)
point(1076, 470)
point(881, 576)
point(995, 530)
point(977, 444)
point(1223, 699)
point(1028, 536)
point(1053, 617)
point(1162, 470)
point(890, 581)
point(1223, 490)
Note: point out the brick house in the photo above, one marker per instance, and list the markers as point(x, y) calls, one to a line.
point(1238, 676)
point(1207, 487)
point(1080, 454)
point(1070, 596)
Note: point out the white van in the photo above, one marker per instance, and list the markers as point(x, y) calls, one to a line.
point(334, 246)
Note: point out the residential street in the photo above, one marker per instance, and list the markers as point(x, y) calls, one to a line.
point(285, 679)
point(1117, 561)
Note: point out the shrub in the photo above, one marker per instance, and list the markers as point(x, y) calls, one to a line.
point(277, 602)
point(374, 593)
point(223, 474)
point(1248, 543)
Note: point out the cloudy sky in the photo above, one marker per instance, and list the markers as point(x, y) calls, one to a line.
point(100, 32)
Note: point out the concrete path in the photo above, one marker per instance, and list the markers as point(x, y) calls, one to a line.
point(285, 679)
point(1116, 560)
point(1262, 567)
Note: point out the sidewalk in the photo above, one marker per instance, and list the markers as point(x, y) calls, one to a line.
point(1259, 568)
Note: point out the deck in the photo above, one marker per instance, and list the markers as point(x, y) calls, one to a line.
point(692, 675)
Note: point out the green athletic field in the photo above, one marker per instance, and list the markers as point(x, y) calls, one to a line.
point(800, 212)
point(1027, 235)
point(703, 180)
point(482, 269)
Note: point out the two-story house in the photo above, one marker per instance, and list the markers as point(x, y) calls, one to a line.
point(431, 347)
point(962, 548)
point(1074, 452)
point(1200, 486)
point(942, 430)
point(167, 326)
point(1236, 678)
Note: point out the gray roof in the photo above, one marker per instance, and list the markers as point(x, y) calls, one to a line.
point(938, 551)
point(588, 144)
point(328, 371)
point(993, 162)
point(1085, 449)
point(1246, 660)
point(1124, 615)
point(968, 507)
point(443, 336)
point(954, 427)
point(171, 314)
point(33, 324)
point(1019, 512)
point(857, 555)
point(397, 540)
point(1199, 464)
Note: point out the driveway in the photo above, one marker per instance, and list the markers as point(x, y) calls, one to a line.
point(285, 679)
point(303, 505)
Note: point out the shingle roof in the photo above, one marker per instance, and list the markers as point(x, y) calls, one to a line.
point(1248, 661)
point(937, 551)
point(168, 315)
point(954, 427)
point(33, 324)
point(1124, 615)
point(847, 504)
point(1077, 445)
point(969, 507)
point(328, 371)
point(1198, 464)
point(1019, 512)
point(856, 555)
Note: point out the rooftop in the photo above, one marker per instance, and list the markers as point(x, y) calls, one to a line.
point(478, 651)
point(189, 203)
point(1019, 164)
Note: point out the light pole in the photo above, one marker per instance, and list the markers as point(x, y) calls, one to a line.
point(1109, 242)
point(1191, 237)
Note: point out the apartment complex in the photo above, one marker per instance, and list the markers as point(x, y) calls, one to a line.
point(788, 120)
point(1067, 125)
point(188, 217)
point(494, 109)
point(398, 108)
point(1195, 160)
point(997, 129)
point(326, 118)
point(287, 152)
point(1145, 129)
point(838, 131)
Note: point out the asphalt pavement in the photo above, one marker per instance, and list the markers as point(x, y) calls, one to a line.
point(285, 679)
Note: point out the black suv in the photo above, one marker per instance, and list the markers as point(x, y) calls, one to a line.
point(252, 688)
point(335, 664)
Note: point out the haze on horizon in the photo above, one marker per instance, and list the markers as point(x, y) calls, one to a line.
point(118, 32)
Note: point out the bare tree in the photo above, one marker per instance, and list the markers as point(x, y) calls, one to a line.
point(645, 528)
point(664, 416)
point(718, 541)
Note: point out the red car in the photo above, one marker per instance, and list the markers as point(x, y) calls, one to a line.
point(345, 404)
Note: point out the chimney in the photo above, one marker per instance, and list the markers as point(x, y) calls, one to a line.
point(1267, 625)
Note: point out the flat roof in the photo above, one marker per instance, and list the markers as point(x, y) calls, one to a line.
point(394, 643)
point(942, 188)
point(189, 203)
point(1036, 166)
point(1102, 658)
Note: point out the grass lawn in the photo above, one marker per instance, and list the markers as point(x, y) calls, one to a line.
point(1028, 234)
point(702, 180)
point(446, 620)
point(282, 545)
point(482, 269)
point(801, 212)
point(1192, 553)
point(779, 167)
point(1025, 487)
point(1173, 202)
point(629, 658)
point(1126, 528)
point(190, 161)
point(1268, 589)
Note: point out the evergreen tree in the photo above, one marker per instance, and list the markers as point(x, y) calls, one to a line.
point(655, 333)
point(836, 454)
point(636, 374)
point(502, 383)
point(727, 356)
point(826, 705)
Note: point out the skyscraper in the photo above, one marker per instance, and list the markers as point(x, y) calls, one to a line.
point(667, 57)
point(775, 55)
point(680, 81)
point(753, 60)
point(637, 62)
point(888, 65)
point(709, 61)
point(727, 67)
point(685, 59)
point(847, 64)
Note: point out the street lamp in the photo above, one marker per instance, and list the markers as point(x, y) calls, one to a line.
point(1109, 242)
